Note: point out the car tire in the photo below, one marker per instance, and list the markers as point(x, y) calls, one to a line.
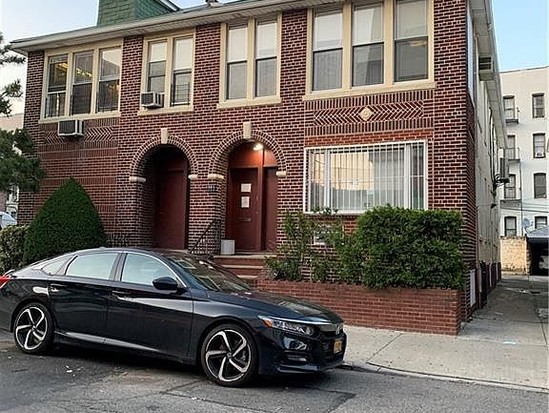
point(229, 355)
point(33, 329)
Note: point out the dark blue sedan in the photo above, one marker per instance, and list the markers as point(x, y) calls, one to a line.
point(171, 305)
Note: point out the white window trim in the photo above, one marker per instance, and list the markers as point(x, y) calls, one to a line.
point(250, 99)
point(167, 108)
point(369, 145)
point(96, 48)
point(388, 56)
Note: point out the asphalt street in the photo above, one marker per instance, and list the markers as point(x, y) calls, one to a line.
point(86, 381)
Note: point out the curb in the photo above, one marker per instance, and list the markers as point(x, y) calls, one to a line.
point(375, 368)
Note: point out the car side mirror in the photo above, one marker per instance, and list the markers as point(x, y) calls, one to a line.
point(166, 284)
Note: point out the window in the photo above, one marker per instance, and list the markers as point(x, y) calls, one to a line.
point(140, 269)
point(410, 40)
point(237, 43)
point(540, 222)
point(539, 145)
point(83, 82)
point(92, 266)
point(368, 45)
point(251, 56)
point(538, 105)
point(169, 69)
point(511, 188)
point(510, 151)
point(509, 108)
point(327, 50)
point(510, 226)
point(110, 61)
point(356, 178)
point(57, 84)
point(540, 185)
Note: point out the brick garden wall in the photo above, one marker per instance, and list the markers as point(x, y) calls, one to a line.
point(426, 311)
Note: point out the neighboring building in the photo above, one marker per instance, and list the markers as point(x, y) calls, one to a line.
point(9, 201)
point(524, 205)
point(219, 118)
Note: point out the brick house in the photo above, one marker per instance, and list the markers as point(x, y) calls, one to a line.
point(222, 116)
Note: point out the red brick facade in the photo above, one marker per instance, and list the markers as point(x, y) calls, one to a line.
point(113, 149)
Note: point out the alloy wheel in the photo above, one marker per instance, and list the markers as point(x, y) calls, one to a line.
point(228, 356)
point(32, 328)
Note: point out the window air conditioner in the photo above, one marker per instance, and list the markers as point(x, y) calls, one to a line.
point(486, 67)
point(151, 100)
point(72, 127)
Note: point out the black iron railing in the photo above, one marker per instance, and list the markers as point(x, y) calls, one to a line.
point(209, 241)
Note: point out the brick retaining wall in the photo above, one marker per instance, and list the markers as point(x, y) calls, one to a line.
point(426, 311)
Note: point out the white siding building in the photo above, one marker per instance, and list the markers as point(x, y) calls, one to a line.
point(524, 205)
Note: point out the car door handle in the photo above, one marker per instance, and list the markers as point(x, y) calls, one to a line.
point(119, 293)
point(55, 288)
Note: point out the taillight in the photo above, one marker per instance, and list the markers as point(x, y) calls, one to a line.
point(4, 279)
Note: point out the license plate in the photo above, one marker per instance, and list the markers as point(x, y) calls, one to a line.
point(338, 346)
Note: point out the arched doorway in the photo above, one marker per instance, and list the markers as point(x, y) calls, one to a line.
point(252, 198)
point(168, 192)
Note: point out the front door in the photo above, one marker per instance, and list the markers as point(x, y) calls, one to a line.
point(171, 201)
point(245, 211)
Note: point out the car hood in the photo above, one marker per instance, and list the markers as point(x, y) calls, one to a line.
point(280, 305)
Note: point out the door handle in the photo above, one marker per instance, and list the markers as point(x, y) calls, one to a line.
point(55, 288)
point(119, 293)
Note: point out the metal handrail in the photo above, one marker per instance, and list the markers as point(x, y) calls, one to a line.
point(209, 241)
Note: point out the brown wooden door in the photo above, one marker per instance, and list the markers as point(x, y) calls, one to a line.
point(270, 201)
point(171, 197)
point(245, 225)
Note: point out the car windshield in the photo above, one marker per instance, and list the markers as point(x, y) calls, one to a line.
point(209, 275)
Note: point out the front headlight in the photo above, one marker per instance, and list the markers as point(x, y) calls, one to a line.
point(291, 327)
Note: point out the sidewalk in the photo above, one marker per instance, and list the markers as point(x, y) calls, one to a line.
point(505, 344)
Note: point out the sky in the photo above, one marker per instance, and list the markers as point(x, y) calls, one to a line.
point(521, 28)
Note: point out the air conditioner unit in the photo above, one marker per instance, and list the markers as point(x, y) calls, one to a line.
point(486, 67)
point(151, 100)
point(503, 169)
point(72, 127)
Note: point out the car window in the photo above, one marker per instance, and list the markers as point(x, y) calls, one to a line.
point(92, 266)
point(141, 269)
point(54, 266)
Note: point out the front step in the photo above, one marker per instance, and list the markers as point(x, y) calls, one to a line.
point(247, 267)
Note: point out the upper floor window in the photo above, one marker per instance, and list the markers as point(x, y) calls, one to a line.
point(540, 222)
point(94, 79)
point(510, 151)
point(539, 145)
point(540, 185)
point(510, 226)
point(411, 36)
point(169, 69)
point(356, 178)
point(372, 43)
point(538, 105)
point(368, 45)
point(509, 108)
point(511, 188)
point(251, 59)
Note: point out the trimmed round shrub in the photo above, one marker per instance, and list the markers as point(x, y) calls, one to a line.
point(67, 221)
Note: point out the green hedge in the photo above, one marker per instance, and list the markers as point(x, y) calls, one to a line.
point(67, 221)
point(12, 246)
point(391, 247)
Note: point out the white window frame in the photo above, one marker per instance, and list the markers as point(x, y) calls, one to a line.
point(542, 153)
point(538, 105)
point(169, 71)
point(251, 99)
point(507, 228)
point(389, 83)
point(361, 147)
point(540, 222)
point(94, 113)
